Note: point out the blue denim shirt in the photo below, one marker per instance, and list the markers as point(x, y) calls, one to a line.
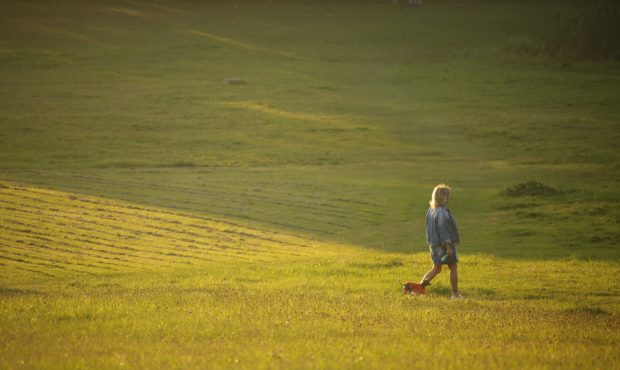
point(441, 227)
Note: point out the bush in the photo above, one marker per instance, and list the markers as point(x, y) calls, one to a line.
point(529, 188)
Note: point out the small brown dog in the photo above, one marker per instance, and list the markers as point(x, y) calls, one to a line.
point(413, 288)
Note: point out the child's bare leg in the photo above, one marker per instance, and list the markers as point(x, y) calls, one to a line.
point(454, 277)
point(431, 274)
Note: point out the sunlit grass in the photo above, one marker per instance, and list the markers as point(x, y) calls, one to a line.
point(285, 300)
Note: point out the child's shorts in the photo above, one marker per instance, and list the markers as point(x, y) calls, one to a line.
point(438, 252)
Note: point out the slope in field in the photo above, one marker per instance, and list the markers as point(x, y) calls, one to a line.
point(54, 233)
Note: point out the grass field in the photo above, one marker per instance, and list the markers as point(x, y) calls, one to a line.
point(153, 216)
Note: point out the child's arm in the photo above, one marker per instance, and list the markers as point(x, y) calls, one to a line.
point(449, 249)
point(442, 228)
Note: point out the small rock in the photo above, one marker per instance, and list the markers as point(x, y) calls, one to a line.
point(410, 2)
point(232, 81)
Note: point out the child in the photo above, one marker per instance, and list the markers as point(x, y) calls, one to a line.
point(442, 236)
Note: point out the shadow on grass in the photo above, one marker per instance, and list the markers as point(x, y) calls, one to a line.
point(274, 201)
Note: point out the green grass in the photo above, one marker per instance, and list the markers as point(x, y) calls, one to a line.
point(314, 313)
point(152, 216)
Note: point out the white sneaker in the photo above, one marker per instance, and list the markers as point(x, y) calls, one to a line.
point(457, 296)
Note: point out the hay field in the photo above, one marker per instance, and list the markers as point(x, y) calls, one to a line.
point(155, 215)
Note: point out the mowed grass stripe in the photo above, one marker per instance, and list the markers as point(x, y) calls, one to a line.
point(306, 190)
point(6, 255)
point(52, 230)
point(31, 252)
point(223, 212)
point(175, 216)
point(30, 259)
point(145, 257)
point(115, 250)
point(169, 254)
point(305, 198)
point(157, 215)
point(235, 208)
point(301, 190)
point(226, 239)
point(271, 194)
point(187, 246)
point(68, 252)
point(84, 248)
point(270, 197)
point(86, 239)
point(10, 271)
point(330, 221)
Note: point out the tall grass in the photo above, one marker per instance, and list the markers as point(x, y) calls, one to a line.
point(582, 30)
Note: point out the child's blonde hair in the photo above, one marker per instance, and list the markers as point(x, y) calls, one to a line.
point(440, 195)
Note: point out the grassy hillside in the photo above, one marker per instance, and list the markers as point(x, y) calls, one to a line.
point(90, 282)
point(153, 215)
point(58, 234)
